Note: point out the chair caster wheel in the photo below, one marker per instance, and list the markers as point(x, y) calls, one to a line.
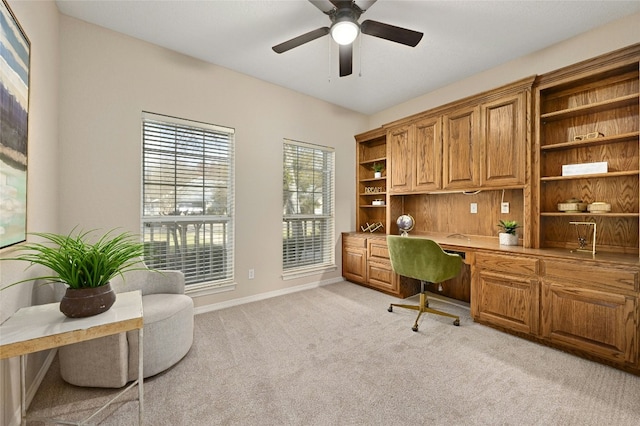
point(390, 309)
point(456, 322)
point(414, 328)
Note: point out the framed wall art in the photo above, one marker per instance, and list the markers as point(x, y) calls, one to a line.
point(15, 51)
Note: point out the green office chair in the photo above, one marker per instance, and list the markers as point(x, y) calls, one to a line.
point(423, 260)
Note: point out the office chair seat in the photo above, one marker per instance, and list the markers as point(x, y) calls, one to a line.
point(424, 260)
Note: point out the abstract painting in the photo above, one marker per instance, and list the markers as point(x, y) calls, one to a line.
point(15, 52)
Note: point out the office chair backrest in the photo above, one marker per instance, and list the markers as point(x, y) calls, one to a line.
point(422, 259)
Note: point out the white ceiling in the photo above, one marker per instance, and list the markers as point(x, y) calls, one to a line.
point(461, 38)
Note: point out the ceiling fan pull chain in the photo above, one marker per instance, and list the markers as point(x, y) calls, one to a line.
point(360, 56)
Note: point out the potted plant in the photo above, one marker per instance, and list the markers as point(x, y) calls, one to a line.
point(509, 236)
point(85, 268)
point(378, 168)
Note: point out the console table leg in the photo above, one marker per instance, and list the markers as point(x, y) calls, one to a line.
point(23, 390)
point(140, 379)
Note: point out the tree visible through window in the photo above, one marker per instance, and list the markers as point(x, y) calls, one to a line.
point(308, 206)
point(188, 198)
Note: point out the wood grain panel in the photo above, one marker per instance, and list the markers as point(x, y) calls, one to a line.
point(461, 160)
point(503, 142)
point(508, 301)
point(614, 234)
point(600, 323)
point(428, 154)
point(400, 154)
point(613, 122)
point(604, 87)
point(450, 213)
point(602, 277)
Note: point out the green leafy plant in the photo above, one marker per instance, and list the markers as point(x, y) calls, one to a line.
point(509, 226)
point(377, 167)
point(79, 263)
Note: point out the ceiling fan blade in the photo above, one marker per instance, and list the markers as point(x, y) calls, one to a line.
point(324, 5)
point(365, 4)
point(300, 40)
point(346, 59)
point(391, 33)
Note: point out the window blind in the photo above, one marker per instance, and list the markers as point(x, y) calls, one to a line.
point(188, 198)
point(308, 206)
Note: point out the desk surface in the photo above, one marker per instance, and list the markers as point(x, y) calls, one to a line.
point(458, 242)
point(40, 327)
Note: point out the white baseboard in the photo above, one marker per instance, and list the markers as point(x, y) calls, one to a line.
point(263, 296)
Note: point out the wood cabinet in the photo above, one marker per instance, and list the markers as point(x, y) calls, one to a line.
point(506, 292)
point(379, 269)
point(416, 150)
point(478, 142)
point(504, 140)
point(354, 258)
point(593, 309)
point(587, 308)
point(588, 113)
point(461, 148)
point(371, 198)
point(365, 261)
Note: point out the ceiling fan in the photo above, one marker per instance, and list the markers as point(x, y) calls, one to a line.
point(344, 15)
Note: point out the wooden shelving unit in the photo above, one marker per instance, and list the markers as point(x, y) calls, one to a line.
point(599, 98)
point(371, 149)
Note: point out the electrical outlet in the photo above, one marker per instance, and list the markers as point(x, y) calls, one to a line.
point(474, 207)
point(504, 208)
point(252, 273)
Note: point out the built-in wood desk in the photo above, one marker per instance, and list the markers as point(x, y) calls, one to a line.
point(583, 303)
point(41, 327)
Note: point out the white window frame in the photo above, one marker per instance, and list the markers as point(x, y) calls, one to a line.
point(319, 257)
point(197, 236)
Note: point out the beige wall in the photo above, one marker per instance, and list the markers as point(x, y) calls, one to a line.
point(609, 37)
point(108, 79)
point(40, 22)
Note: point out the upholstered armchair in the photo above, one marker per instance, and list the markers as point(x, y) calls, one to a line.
point(112, 361)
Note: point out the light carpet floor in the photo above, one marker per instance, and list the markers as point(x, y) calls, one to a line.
point(335, 356)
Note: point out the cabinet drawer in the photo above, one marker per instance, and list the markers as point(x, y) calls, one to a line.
point(603, 277)
point(378, 249)
point(353, 241)
point(510, 264)
point(381, 276)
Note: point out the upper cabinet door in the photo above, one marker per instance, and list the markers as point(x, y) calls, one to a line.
point(461, 148)
point(428, 158)
point(400, 159)
point(503, 141)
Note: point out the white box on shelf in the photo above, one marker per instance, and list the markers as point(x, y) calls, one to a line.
point(585, 168)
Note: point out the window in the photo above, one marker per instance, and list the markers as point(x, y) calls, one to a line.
point(308, 207)
point(188, 199)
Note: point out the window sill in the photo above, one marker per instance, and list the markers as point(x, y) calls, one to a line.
point(204, 289)
point(306, 272)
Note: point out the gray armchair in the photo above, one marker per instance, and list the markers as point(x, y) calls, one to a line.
point(112, 361)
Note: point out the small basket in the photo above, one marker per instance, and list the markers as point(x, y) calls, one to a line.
point(571, 206)
point(599, 207)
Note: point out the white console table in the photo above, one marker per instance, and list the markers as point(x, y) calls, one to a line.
point(42, 327)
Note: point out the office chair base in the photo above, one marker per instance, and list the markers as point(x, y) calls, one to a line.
point(423, 308)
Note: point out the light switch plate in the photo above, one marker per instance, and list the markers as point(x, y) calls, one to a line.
point(474, 207)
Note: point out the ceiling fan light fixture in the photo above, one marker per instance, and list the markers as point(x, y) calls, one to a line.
point(345, 31)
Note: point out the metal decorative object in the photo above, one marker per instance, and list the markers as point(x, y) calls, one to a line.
point(372, 228)
point(586, 232)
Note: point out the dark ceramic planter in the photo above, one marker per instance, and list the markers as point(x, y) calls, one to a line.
point(86, 302)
